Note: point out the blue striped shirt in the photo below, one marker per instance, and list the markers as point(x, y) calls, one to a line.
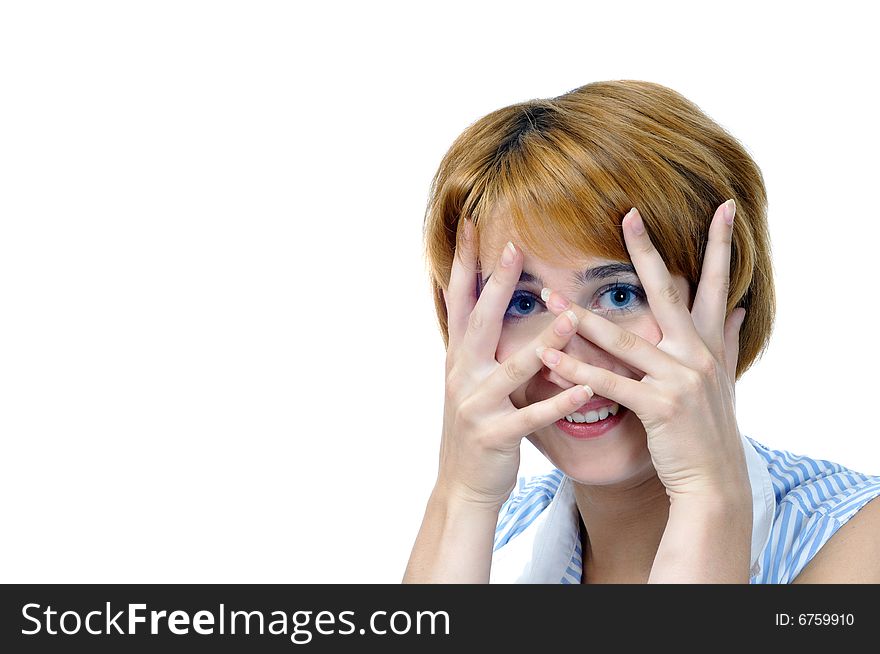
point(810, 500)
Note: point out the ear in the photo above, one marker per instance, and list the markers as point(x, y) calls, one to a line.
point(731, 340)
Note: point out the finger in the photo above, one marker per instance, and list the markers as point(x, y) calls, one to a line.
point(731, 340)
point(710, 302)
point(630, 348)
point(487, 317)
point(630, 393)
point(461, 296)
point(667, 303)
point(523, 364)
point(563, 383)
point(540, 414)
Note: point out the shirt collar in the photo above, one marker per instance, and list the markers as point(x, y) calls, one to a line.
point(542, 552)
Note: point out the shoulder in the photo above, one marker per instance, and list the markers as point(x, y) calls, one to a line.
point(851, 555)
point(825, 525)
point(532, 495)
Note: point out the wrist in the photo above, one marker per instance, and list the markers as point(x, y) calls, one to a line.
point(707, 540)
point(702, 514)
point(731, 496)
point(456, 500)
point(455, 542)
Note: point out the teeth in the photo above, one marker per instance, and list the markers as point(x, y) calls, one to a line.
point(594, 416)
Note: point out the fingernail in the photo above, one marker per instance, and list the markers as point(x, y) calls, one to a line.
point(566, 323)
point(581, 394)
point(636, 223)
point(729, 211)
point(550, 357)
point(559, 302)
point(509, 254)
point(540, 350)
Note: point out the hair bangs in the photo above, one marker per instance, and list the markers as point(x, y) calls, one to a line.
point(549, 202)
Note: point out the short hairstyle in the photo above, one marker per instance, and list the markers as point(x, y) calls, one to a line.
point(565, 171)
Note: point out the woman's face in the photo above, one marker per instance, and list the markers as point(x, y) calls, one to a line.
point(620, 455)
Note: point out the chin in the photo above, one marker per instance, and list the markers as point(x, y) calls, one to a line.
point(615, 458)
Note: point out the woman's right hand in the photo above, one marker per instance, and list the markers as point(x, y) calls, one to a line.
point(482, 429)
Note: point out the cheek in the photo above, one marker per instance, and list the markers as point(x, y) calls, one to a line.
point(650, 331)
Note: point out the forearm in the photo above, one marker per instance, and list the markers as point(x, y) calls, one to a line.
point(705, 542)
point(454, 544)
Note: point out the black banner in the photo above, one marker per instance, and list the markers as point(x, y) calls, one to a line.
point(341, 618)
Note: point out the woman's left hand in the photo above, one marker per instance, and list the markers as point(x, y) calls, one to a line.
point(686, 399)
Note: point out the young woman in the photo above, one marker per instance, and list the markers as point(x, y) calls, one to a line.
point(602, 275)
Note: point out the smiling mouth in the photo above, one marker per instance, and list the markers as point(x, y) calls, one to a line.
point(583, 430)
point(595, 415)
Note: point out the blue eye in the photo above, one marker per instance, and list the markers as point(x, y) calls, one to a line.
point(521, 305)
point(621, 296)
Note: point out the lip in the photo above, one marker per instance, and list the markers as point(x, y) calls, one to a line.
point(595, 404)
point(587, 430)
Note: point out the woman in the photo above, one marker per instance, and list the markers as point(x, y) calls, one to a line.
point(602, 276)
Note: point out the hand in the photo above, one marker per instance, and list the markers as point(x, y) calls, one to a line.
point(482, 429)
point(686, 400)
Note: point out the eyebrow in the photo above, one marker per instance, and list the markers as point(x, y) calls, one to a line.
point(584, 277)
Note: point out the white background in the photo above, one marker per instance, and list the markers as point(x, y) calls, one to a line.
point(219, 360)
